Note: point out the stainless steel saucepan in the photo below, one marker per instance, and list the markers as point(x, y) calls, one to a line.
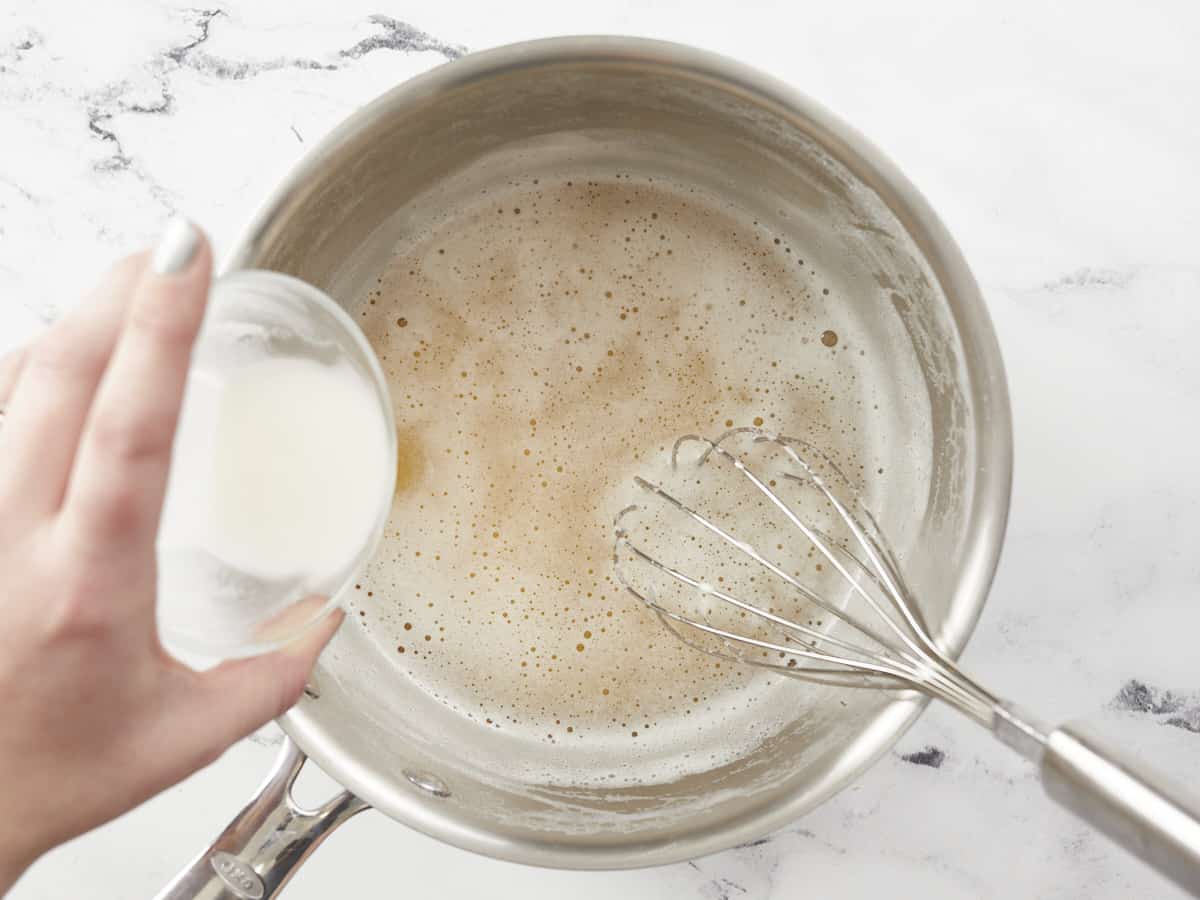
point(333, 223)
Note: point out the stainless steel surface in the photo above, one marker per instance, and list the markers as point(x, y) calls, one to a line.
point(1147, 814)
point(334, 221)
point(1020, 731)
point(876, 636)
point(888, 643)
point(254, 857)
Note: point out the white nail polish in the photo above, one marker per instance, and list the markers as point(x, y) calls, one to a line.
point(176, 246)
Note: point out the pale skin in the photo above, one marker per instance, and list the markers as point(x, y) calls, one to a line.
point(95, 717)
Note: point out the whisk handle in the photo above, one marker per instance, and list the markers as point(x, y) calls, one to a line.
point(1147, 814)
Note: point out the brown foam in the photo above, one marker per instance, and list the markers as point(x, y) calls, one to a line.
point(542, 346)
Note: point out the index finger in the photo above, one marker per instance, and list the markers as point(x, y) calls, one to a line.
point(120, 475)
point(53, 392)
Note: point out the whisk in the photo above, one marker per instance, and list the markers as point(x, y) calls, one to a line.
point(780, 495)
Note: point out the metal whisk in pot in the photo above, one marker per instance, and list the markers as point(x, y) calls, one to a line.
point(762, 552)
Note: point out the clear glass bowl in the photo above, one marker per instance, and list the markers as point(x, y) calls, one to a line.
point(283, 470)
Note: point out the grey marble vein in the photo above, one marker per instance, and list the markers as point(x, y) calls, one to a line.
point(105, 103)
point(14, 52)
point(402, 37)
point(204, 18)
point(97, 123)
point(22, 192)
point(396, 36)
point(931, 756)
point(722, 889)
point(1170, 708)
point(1091, 277)
point(751, 844)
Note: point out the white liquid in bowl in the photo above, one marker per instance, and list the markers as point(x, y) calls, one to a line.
point(275, 486)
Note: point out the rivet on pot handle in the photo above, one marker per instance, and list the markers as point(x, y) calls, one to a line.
point(258, 852)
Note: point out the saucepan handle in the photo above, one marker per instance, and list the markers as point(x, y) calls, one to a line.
point(1153, 818)
point(258, 852)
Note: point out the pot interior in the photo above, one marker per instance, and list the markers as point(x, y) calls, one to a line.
point(912, 386)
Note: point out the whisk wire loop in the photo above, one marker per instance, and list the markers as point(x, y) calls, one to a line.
point(902, 655)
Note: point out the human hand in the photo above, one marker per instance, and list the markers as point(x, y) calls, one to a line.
point(95, 717)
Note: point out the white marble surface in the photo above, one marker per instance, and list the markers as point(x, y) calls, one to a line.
point(1060, 144)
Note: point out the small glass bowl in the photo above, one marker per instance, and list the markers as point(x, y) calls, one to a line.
point(209, 605)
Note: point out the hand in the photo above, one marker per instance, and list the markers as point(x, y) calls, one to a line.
point(94, 716)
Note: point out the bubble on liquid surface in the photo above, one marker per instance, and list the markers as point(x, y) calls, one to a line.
point(538, 361)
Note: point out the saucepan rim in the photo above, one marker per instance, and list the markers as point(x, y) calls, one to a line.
point(982, 361)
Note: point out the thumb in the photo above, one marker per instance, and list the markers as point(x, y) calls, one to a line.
point(240, 696)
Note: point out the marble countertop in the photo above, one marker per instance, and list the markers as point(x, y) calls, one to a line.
point(1059, 144)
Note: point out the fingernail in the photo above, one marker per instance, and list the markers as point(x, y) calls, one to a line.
point(176, 247)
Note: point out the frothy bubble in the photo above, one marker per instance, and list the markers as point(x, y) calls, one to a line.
point(544, 346)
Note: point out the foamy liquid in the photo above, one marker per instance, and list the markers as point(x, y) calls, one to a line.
point(544, 345)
